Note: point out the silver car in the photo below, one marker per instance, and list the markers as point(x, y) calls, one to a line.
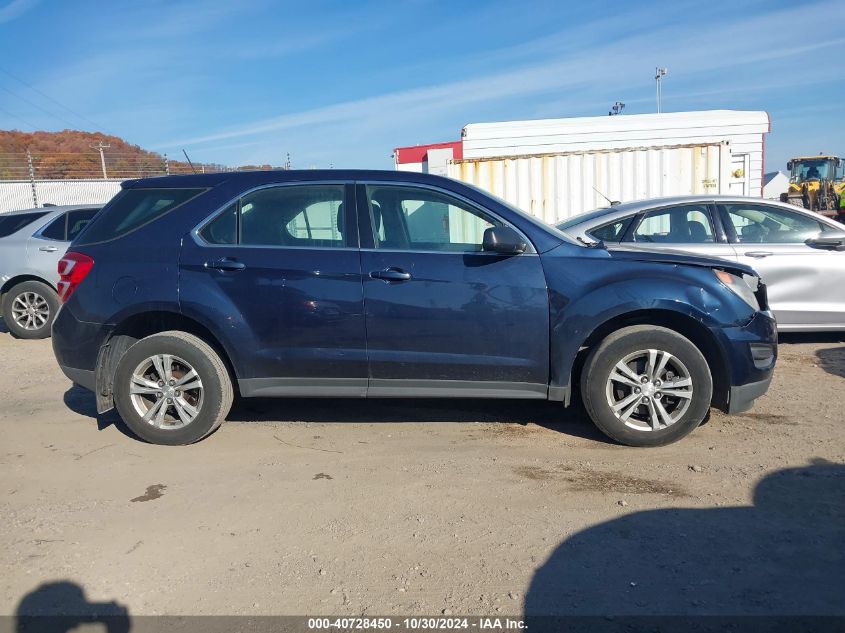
point(799, 254)
point(31, 243)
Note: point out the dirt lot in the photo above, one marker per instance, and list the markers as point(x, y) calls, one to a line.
point(424, 507)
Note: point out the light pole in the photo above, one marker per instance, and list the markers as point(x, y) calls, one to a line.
point(100, 147)
point(659, 73)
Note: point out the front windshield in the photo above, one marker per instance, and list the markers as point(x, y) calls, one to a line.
point(812, 169)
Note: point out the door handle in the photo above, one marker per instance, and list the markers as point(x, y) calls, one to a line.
point(226, 264)
point(759, 254)
point(391, 274)
point(48, 249)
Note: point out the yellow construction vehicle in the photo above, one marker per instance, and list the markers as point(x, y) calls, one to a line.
point(816, 183)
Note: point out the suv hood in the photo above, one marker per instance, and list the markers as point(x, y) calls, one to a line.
point(678, 257)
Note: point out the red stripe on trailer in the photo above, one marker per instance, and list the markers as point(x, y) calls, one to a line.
point(418, 153)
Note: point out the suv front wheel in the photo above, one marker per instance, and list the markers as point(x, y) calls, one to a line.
point(646, 386)
point(172, 388)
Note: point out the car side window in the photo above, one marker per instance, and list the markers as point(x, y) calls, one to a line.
point(56, 230)
point(412, 218)
point(613, 232)
point(762, 224)
point(682, 224)
point(306, 215)
point(224, 228)
point(77, 220)
point(297, 215)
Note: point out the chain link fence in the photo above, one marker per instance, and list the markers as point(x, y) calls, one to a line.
point(31, 179)
point(34, 165)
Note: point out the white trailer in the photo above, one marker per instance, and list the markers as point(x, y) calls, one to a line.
point(557, 168)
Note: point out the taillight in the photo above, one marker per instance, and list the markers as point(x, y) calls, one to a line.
point(73, 268)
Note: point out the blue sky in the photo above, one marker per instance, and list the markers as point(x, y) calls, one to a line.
point(343, 83)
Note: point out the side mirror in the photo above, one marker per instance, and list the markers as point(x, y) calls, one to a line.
point(503, 240)
point(789, 166)
point(830, 240)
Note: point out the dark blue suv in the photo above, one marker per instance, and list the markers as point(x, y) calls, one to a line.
point(187, 289)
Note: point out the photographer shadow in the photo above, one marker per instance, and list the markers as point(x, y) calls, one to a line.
point(61, 606)
point(781, 557)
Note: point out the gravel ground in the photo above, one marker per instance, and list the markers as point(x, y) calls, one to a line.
point(424, 507)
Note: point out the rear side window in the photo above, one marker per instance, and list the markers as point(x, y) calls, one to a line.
point(132, 209)
point(683, 224)
point(12, 223)
point(311, 216)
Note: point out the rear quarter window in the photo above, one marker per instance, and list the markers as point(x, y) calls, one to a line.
point(132, 209)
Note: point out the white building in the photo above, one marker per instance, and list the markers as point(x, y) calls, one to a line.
point(774, 184)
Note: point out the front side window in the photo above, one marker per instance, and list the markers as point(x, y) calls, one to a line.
point(298, 215)
point(760, 224)
point(78, 220)
point(411, 218)
point(684, 224)
point(56, 230)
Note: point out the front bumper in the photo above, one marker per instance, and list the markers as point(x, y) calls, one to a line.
point(741, 398)
point(750, 353)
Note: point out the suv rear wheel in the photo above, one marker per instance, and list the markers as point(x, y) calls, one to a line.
point(29, 309)
point(646, 386)
point(172, 388)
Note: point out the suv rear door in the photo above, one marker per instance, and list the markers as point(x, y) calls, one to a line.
point(443, 317)
point(279, 272)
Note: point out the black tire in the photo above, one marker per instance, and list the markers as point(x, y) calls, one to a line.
point(216, 393)
point(28, 291)
point(626, 342)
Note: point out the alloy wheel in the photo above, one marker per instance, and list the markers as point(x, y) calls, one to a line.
point(166, 391)
point(649, 390)
point(30, 311)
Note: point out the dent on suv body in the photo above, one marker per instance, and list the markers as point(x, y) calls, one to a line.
point(187, 289)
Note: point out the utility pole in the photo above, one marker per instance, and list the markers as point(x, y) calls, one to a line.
point(659, 73)
point(287, 162)
point(166, 165)
point(32, 178)
point(101, 147)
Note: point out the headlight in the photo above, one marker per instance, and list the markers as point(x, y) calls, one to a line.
point(743, 287)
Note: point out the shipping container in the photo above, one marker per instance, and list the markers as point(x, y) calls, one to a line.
point(557, 168)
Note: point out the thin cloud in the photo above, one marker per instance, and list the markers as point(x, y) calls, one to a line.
point(15, 9)
point(611, 63)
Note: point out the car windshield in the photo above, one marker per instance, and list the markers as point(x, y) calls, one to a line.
point(812, 169)
point(13, 223)
point(583, 217)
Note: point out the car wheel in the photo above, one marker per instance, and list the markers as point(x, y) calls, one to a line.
point(29, 309)
point(646, 386)
point(172, 388)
